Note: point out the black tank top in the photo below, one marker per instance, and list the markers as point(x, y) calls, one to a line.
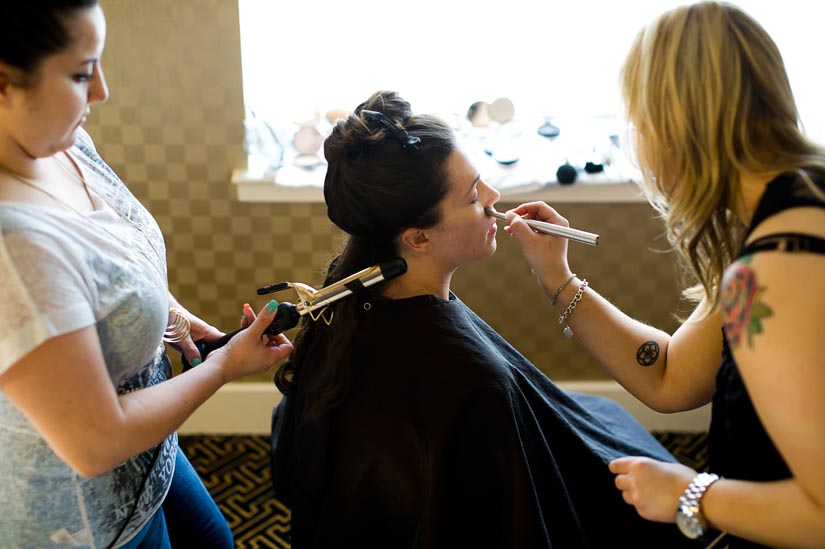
point(739, 447)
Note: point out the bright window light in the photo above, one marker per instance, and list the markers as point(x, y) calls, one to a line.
point(551, 58)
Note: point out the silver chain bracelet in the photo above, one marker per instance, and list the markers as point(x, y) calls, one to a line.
point(568, 333)
point(562, 287)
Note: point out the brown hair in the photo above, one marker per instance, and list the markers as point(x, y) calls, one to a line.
point(375, 188)
point(31, 30)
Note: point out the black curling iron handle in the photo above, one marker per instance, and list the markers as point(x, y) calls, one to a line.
point(393, 267)
point(286, 317)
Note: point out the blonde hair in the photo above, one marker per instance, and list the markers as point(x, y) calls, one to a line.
point(706, 89)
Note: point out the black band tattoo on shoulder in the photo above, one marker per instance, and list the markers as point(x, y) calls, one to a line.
point(648, 353)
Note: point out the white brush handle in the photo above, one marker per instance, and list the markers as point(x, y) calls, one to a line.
point(555, 230)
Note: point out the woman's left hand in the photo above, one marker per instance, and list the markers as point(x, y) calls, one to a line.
point(652, 487)
point(199, 330)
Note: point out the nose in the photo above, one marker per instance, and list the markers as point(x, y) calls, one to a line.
point(490, 195)
point(98, 90)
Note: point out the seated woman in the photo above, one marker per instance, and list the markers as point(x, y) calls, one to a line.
point(409, 422)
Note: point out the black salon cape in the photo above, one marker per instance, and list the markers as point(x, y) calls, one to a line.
point(451, 438)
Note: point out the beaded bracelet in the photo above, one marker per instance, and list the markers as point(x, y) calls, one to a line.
point(562, 287)
point(568, 333)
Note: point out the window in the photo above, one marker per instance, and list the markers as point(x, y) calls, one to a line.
point(551, 59)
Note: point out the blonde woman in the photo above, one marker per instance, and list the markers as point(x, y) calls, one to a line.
point(718, 140)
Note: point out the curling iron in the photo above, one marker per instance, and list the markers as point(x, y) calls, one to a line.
point(550, 228)
point(311, 302)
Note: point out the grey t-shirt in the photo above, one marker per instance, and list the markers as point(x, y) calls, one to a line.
point(61, 271)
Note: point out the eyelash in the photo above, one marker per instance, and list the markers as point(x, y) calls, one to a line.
point(84, 77)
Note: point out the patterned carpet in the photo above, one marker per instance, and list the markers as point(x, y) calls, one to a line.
point(235, 470)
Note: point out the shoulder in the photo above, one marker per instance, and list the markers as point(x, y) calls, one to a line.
point(792, 201)
point(38, 252)
point(432, 337)
point(773, 290)
point(23, 231)
point(35, 226)
point(777, 283)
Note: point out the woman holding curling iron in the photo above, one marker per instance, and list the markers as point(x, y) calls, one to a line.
point(742, 191)
point(88, 408)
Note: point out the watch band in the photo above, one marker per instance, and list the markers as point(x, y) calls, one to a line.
point(689, 517)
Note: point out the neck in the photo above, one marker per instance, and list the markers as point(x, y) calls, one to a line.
point(17, 159)
point(53, 182)
point(420, 279)
point(751, 189)
point(25, 166)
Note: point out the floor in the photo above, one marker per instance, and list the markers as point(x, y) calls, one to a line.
point(235, 469)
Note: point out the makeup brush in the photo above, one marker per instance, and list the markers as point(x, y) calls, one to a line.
point(550, 228)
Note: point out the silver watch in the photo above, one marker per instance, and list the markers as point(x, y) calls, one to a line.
point(689, 517)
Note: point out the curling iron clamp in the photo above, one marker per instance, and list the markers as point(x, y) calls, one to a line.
point(312, 302)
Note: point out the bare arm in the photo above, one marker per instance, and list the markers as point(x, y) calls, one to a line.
point(773, 309)
point(667, 373)
point(65, 391)
point(777, 514)
point(773, 306)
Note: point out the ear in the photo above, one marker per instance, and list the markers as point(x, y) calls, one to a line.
point(7, 74)
point(416, 240)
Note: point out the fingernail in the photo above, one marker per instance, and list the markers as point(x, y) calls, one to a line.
point(271, 306)
point(196, 361)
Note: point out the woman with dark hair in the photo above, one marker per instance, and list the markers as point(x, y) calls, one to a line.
point(742, 191)
point(408, 421)
point(88, 408)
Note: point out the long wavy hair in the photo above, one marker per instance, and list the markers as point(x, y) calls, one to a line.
point(708, 100)
point(374, 189)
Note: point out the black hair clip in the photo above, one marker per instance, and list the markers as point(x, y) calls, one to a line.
point(407, 140)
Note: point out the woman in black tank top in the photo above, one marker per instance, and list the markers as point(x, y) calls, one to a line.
point(742, 191)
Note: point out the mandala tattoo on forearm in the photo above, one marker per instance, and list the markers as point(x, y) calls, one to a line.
point(648, 353)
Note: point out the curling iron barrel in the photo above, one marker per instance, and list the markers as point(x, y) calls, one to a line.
point(311, 301)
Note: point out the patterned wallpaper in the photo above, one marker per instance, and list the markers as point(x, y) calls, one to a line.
point(173, 130)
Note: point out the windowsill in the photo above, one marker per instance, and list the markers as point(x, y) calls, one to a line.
point(531, 176)
point(588, 188)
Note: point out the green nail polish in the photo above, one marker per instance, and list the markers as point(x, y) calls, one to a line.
point(271, 306)
point(196, 361)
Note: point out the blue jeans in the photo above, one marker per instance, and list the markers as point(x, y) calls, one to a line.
point(153, 535)
point(189, 516)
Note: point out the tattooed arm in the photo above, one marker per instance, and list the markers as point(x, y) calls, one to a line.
point(774, 305)
point(667, 373)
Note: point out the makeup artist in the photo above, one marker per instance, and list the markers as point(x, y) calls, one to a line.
point(88, 408)
point(742, 192)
